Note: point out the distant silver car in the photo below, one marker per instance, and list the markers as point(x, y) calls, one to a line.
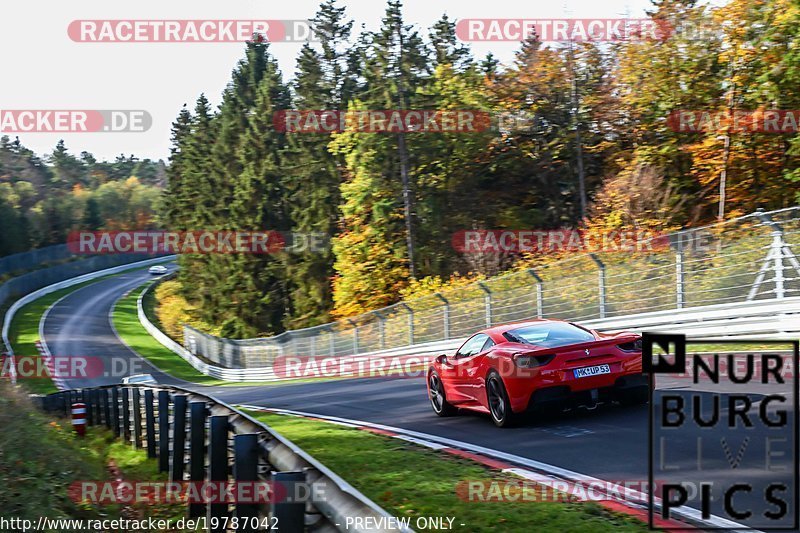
point(139, 379)
point(158, 270)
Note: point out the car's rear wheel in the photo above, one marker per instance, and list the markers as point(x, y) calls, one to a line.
point(499, 406)
point(437, 396)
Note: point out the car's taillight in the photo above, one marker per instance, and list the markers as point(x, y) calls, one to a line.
point(523, 360)
point(635, 346)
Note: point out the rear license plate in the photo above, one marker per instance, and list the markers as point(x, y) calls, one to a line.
point(590, 371)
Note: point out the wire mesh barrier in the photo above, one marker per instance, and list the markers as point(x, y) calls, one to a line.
point(37, 279)
point(34, 258)
point(749, 258)
point(226, 466)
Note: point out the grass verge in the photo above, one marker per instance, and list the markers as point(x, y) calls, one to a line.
point(409, 480)
point(40, 457)
point(132, 333)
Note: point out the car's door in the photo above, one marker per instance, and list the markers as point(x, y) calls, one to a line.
point(466, 364)
point(472, 385)
point(452, 367)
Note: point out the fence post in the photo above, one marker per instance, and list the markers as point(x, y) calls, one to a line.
point(137, 417)
point(218, 466)
point(539, 295)
point(290, 516)
point(150, 423)
point(381, 328)
point(410, 322)
point(487, 303)
point(679, 279)
point(163, 431)
point(126, 415)
point(355, 334)
point(115, 411)
point(446, 310)
point(197, 450)
point(178, 436)
point(331, 341)
point(245, 469)
point(778, 250)
point(601, 284)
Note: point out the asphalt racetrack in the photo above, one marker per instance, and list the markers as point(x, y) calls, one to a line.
point(609, 442)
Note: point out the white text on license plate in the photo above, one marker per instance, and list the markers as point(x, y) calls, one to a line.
point(590, 371)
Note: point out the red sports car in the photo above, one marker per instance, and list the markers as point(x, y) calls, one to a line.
point(511, 369)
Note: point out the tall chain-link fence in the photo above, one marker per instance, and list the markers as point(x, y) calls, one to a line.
point(42, 277)
point(34, 259)
point(742, 259)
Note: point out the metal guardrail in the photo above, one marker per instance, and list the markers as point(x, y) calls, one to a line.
point(742, 260)
point(197, 438)
point(93, 274)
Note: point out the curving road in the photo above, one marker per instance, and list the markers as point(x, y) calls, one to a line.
point(608, 443)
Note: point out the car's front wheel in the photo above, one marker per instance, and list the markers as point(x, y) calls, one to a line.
point(499, 406)
point(437, 396)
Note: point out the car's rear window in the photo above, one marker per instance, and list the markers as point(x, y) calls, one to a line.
point(549, 335)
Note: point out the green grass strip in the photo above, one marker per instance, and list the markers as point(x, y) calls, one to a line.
point(132, 333)
point(409, 480)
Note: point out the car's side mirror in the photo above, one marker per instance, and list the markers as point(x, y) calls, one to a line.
point(442, 359)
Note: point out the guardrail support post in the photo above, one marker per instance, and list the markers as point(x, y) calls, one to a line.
point(126, 415)
point(88, 400)
point(446, 311)
point(106, 407)
point(163, 431)
point(98, 407)
point(679, 280)
point(115, 411)
point(487, 303)
point(178, 436)
point(539, 293)
point(61, 403)
point(290, 516)
point(150, 423)
point(137, 418)
point(218, 466)
point(245, 469)
point(197, 450)
point(601, 284)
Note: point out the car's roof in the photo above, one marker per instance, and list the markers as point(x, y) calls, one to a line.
point(499, 330)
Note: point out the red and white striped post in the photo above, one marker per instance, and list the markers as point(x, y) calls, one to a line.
point(79, 418)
